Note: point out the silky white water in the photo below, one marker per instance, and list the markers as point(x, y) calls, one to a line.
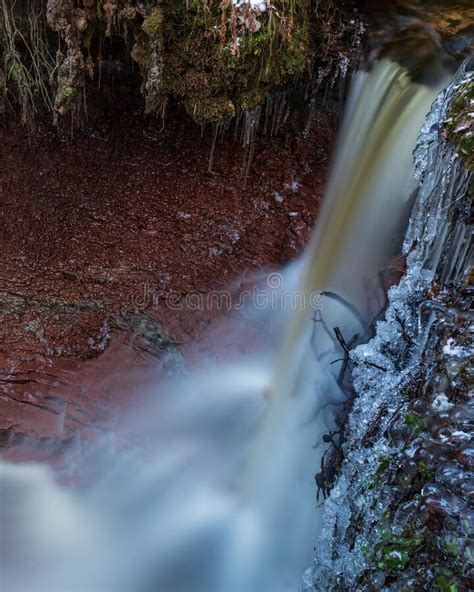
point(437, 248)
point(219, 493)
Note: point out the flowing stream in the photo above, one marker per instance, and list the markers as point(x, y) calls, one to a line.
point(219, 493)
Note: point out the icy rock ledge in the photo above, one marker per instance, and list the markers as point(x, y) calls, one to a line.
point(356, 549)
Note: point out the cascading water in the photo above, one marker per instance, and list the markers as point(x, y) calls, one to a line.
point(220, 494)
point(365, 201)
point(438, 246)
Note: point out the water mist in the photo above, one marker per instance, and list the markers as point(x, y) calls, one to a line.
point(219, 495)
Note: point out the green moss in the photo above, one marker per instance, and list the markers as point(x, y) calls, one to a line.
point(69, 92)
point(296, 55)
point(65, 98)
point(445, 581)
point(153, 24)
point(216, 110)
point(384, 464)
point(416, 424)
point(194, 50)
point(460, 125)
point(274, 57)
point(395, 558)
point(453, 546)
point(205, 63)
point(395, 553)
point(253, 98)
point(423, 472)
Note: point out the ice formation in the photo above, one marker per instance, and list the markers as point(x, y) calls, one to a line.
point(260, 5)
point(438, 247)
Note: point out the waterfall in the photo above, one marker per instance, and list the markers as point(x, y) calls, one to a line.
point(219, 495)
point(370, 182)
point(438, 247)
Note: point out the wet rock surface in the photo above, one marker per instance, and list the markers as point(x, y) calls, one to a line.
point(104, 228)
point(423, 36)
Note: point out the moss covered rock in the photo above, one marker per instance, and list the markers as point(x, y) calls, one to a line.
point(211, 56)
point(217, 55)
point(460, 125)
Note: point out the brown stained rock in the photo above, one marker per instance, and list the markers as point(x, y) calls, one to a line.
point(100, 224)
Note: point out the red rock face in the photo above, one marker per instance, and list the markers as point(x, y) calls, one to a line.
point(100, 228)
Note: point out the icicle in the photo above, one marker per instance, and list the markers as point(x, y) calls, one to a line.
point(268, 112)
point(215, 130)
point(465, 262)
point(239, 117)
point(317, 80)
point(453, 254)
point(249, 136)
point(278, 113)
point(163, 115)
point(225, 128)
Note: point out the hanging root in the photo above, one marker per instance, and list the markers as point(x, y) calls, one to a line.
point(27, 66)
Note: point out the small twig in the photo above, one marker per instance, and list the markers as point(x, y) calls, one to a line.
point(375, 366)
point(346, 360)
point(341, 340)
point(405, 335)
